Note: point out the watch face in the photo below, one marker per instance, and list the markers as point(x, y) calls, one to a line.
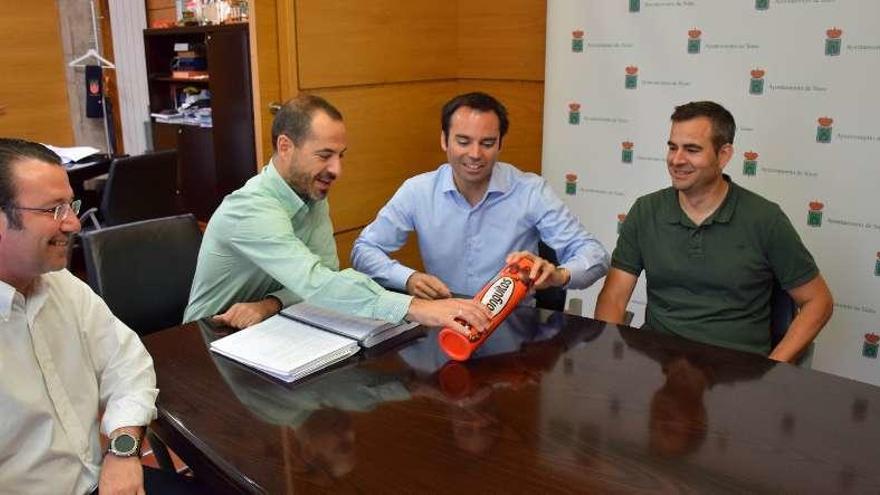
point(124, 444)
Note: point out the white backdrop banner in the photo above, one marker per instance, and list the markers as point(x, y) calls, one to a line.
point(801, 79)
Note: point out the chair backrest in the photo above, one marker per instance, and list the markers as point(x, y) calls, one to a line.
point(552, 297)
point(782, 312)
point(140, 187)
point(144, 270)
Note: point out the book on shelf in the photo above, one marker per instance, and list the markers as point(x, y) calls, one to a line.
point(303, 339)
point(189, 74)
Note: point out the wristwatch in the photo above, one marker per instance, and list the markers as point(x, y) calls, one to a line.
point(124, 445)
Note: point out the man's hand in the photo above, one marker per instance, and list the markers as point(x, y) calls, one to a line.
point(121, 475)
point(461, 315)
point(543, 273)
point(243, 315)
point(425, 286)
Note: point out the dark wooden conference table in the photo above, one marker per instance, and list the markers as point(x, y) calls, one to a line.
point(553, 403)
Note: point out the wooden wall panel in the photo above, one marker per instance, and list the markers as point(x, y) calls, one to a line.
point(501, 39)
point(408, 254)
point(345, 43)
point(160, 10)
point(344, 242)
point(265, 62)
point(393, 134)
point(33, 90)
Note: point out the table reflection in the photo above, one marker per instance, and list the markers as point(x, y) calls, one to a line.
point(678, 419)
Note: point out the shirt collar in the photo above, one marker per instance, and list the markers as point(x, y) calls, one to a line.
point(290, 200)
point(499, 181)
point(674, 213)
point(7, 295)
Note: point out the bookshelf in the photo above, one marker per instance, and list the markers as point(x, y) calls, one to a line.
point(216, 154)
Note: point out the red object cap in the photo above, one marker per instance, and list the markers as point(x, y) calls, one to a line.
point(456, 345)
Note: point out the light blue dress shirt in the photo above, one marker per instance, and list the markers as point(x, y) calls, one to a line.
point(464, 245)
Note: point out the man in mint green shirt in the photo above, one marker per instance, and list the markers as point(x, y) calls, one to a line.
point(271, 244)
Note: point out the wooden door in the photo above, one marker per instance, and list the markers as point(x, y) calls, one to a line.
point(33, 89)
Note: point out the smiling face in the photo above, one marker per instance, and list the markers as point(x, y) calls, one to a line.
point(693, 163)
point(472, 148)
point(311, 168)
point(40, 245)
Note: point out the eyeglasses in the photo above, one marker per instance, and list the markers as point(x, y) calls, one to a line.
point(59, 212)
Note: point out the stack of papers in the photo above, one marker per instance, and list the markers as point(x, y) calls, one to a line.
point(72, 153)
point(284, 348)
point(304, 339)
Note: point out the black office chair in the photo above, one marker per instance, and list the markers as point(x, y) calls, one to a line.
point(144, 270)
point(137, 188)
point(551, 297)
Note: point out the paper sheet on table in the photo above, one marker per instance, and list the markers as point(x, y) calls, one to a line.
point(72, 153)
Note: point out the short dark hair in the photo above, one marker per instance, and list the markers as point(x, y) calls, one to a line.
point(294, 119)
point(479, 101)
point(723, 125)
point(11, 151)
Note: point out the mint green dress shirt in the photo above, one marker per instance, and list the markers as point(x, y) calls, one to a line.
point(265, 240)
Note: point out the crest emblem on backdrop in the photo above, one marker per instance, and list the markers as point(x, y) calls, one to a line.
point(814, 215)
point(571, 183)
point(871, 345)
point(833, 41)
point(750, 163)
point(694, 41)
point(626, 152)
point(574, 113)
point(577, 41)
point(823, 132)
point(631, 79)
point(756, 84)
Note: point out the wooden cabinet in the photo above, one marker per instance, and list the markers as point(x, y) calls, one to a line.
point(214, 160)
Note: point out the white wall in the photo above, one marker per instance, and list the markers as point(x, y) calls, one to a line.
point(129, 20)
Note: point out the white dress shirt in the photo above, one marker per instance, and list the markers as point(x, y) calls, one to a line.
point(64, 357)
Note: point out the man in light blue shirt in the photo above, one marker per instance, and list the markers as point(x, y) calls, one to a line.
point(474, 214)
point(270, 243)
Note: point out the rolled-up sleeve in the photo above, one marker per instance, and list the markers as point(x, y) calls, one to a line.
point(578, 251)
point(267, 239)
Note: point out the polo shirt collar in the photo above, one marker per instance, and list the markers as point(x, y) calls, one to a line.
point(674, 213)
point(290, 200)
point(499, 181)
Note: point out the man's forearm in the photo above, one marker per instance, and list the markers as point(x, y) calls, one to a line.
point(810, 320)
point(610, 310)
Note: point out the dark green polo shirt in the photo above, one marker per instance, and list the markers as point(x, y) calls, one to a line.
point(712, 283)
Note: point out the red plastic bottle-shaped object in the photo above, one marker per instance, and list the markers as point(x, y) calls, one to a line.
point(501, 296)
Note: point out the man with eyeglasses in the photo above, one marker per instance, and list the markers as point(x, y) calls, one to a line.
point(63, 354)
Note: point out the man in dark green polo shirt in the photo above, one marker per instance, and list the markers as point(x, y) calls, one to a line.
point(711, 250)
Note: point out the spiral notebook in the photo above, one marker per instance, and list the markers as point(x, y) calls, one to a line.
point(285, 348)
